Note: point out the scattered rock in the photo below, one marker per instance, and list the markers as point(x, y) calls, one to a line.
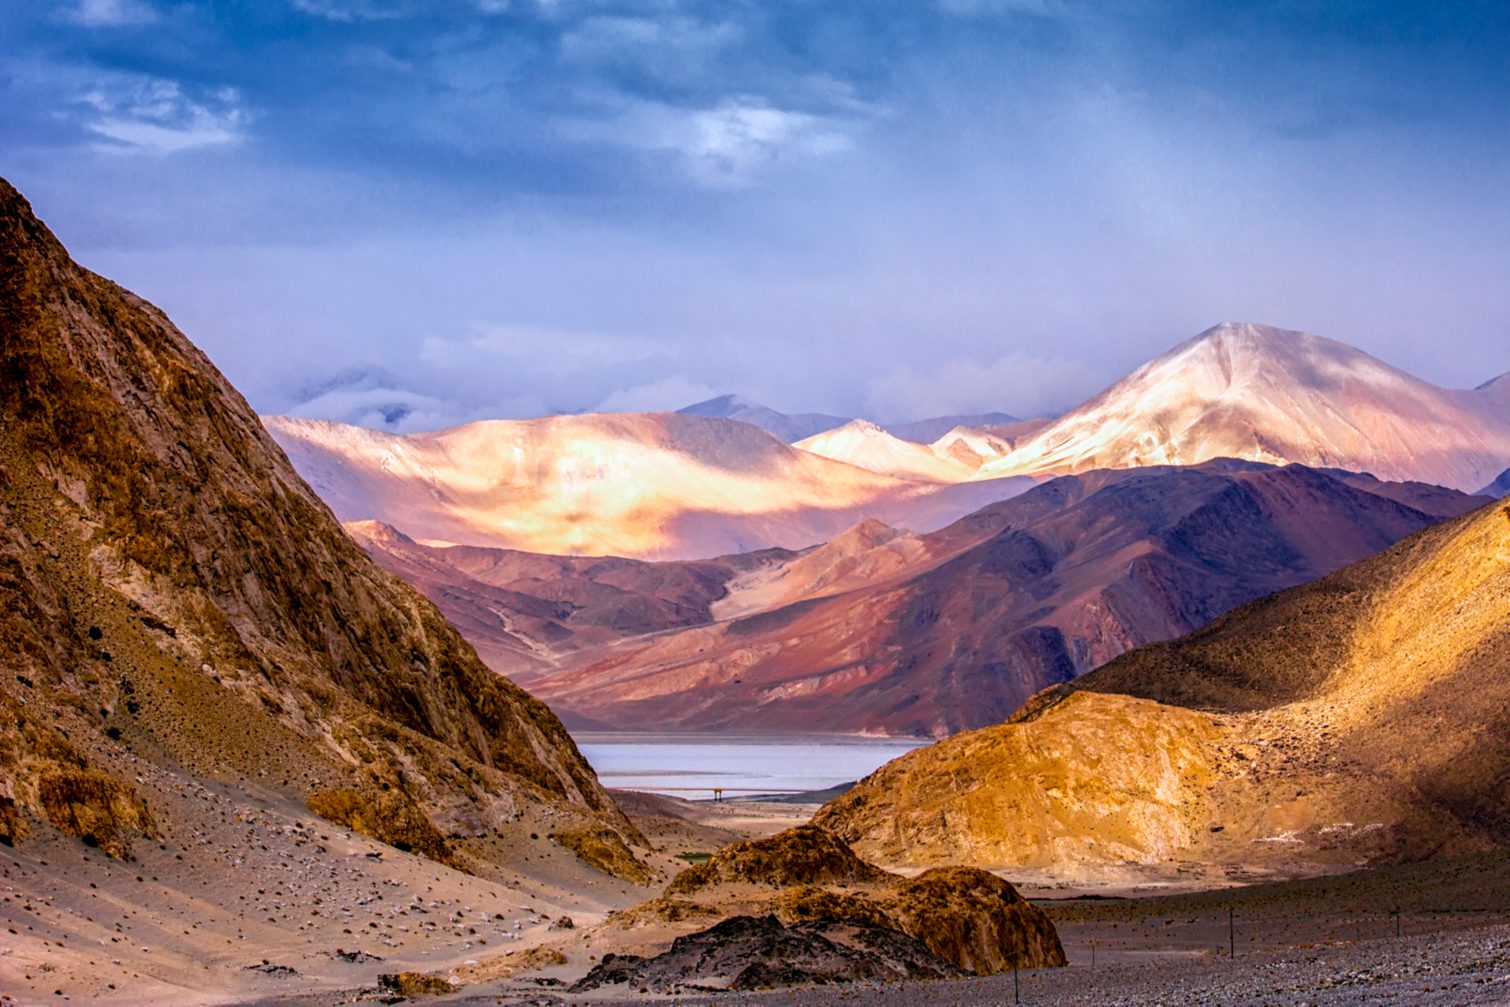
point(99, 809)
point(603, 848)
point(806, 855)
point(355, 957)
point(413, 984)
point(269, 969)
point(749, 952)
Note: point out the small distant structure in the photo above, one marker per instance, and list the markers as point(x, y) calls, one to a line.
point(718, 794)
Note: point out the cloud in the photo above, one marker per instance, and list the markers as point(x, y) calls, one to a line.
point(140, 114)
point(730, 145)
point(111, 13)
point(669, 47)
point(354, 11)
point(663, 396)
point(349, 11)
point(372, 397)
point(997, 8)
point(1023, 384)
point(554, 352)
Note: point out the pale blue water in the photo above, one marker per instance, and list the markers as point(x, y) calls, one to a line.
point(691, 766)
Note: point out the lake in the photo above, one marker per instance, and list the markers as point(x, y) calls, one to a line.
point(692, 765)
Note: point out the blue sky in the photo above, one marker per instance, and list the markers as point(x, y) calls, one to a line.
point(510, 207)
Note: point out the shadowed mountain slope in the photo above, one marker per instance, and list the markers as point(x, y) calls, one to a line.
point(521, 608)
point(173, 596)
point(953, 630)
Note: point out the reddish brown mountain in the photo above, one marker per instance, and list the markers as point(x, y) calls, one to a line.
point(953, 630)
point(522, 608)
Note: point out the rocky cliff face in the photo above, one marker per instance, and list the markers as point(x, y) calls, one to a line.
point(171, 591)
point(1358, 719)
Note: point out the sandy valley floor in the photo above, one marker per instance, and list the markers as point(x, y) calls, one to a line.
point(270, 905)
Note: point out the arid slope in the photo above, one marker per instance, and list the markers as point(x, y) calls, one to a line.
point(1358, 719)
point(173, 595)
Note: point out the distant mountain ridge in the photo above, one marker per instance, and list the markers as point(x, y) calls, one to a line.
point(793, 427)
point(1253, 391)
point(880, 632)
point(788, 426)
point(646, 485)
point(865, 445)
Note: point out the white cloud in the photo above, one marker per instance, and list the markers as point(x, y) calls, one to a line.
point(138, 114)
point(666, 46)
point(729, 145)
point(555, 352)
point(994, 8)
point(663, 396)
point(353, 11)
point(1018, 383)
point(111, 13)
point(348, 11)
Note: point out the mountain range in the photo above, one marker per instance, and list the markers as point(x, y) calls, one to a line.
point(705, 482)
point(793, 427)
point(1360, 719)
point(883, 631)
point(649, 485)
point(1265, 394)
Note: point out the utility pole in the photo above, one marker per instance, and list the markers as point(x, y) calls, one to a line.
point(1231, 936)
point(1016, 993)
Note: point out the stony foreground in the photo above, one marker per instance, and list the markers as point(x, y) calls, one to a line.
point(1322, 941)
point(1467, 967)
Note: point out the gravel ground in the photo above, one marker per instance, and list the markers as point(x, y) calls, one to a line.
point(1321, 941)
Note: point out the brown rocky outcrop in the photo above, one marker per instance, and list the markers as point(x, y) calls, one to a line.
point(603, 848)
point(752, 953)
point(410, 985)
point(808, 876)
point(99, 809)
point(804, 855)
point(975, 920)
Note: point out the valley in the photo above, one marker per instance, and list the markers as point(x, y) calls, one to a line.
point(301, 712)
